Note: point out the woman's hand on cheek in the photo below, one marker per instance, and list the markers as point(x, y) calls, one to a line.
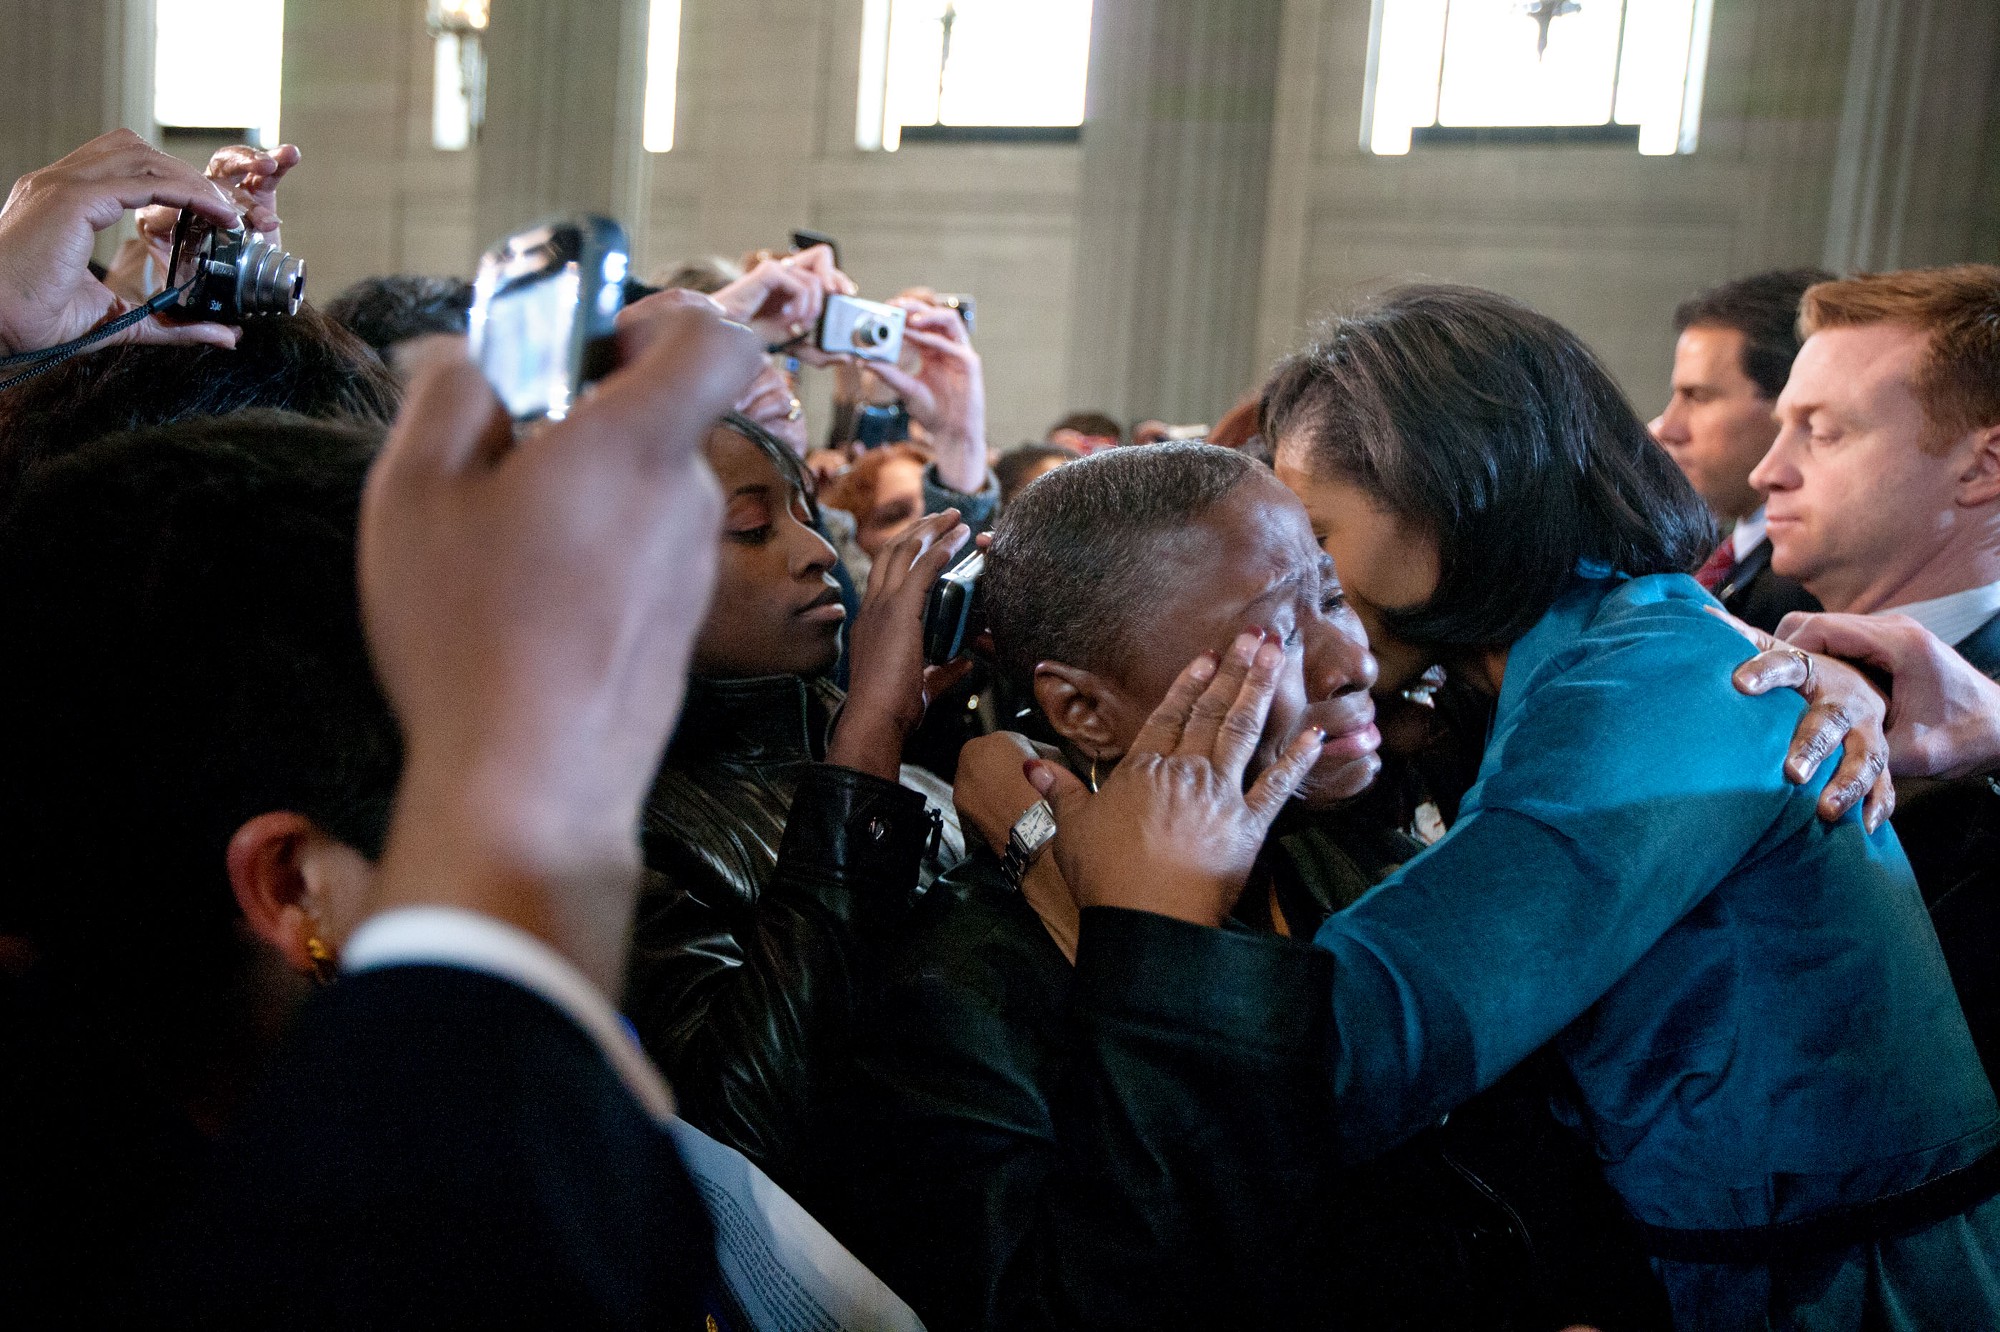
point(1172, 831)
point(890, 684)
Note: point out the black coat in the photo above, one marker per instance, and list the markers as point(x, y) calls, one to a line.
point(440, 1149)
point(1033, 1146)
point(772, 883)
point(1951, 832)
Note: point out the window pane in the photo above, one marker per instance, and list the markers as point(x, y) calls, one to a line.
point(663, 59)
point(1011, 62)
point(1494, 74)
point(191, 87)
point(1652, 74)
point(1481, 63)
point(451, 110)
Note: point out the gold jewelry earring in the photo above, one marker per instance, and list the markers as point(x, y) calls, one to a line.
point(323, 964)
point(1093, 774)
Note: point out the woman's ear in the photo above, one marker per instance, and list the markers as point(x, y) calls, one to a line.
point(1082, 707)
point(296, 883)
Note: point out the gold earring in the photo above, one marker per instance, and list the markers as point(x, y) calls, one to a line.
point(1093, 774)
point(323, 965)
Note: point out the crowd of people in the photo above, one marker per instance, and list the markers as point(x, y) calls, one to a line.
point(1430, 850)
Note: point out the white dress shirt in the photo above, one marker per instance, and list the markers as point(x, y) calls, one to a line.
point(1748, 535)
point(1953, 618)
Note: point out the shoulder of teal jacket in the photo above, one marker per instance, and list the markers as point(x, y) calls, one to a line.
point(1625, 687)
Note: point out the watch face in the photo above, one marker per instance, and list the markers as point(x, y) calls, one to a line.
point(1036, 827)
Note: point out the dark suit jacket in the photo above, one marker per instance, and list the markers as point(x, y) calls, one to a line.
point(1758, 595)
point(1951, 831)
point(441, 1149)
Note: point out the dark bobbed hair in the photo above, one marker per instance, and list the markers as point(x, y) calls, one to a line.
point(1093, 425)
point(1764, 308)
point(1013, 466)
point(1494, 429)
point(383, 311)
point(1074, 562)
point(308, 365)
point(185, 653)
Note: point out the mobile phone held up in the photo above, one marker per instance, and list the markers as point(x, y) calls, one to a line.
point(953, 615)
point(544, 312)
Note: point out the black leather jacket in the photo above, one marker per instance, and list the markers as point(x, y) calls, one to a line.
point(1036, 1146)
point(772, 881)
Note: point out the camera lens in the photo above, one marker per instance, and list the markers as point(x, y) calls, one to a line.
point(268, 280)
point(870, 332)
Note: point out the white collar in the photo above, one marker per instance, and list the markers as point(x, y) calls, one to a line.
point(1748, 535)
point(1953, 618)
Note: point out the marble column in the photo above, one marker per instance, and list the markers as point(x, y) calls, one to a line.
point(1914, 178)
point(68, 73)
point(1171, 216)
point(565, 95)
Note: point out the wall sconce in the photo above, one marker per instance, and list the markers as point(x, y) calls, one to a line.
point(458, 100)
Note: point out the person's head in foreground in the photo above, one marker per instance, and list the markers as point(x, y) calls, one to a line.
point(199, 764)
point(308, 364)
point(1108, 576)
point(1883, 488)
point(1733, 354)
point(1461, 456)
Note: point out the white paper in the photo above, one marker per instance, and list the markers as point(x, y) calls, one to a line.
point(781, 1267)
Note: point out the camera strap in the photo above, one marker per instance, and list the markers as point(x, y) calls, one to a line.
point(48, 358)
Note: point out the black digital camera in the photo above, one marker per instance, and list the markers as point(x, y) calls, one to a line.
point(953, 613)
point(227, 276)
point(544, 313)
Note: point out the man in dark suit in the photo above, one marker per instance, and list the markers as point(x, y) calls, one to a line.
point(1883, 495)
point(1733, 354)
point(461, 1134)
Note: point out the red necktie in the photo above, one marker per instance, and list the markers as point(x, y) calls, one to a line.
point(1715, 571)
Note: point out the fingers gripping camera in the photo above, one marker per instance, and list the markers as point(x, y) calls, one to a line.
point(869, 330)
point(226, 277)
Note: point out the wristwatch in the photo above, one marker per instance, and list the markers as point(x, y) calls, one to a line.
point(1032, 831)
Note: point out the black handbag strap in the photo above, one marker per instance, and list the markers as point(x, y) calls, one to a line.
point(1898, 1214)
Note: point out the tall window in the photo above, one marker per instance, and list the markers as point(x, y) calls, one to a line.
point(971, 68)
point(458, 71)
point(663, 59)
point(191, 90)
point(1604, 70)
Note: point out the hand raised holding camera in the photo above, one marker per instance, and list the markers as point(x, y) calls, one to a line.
point(49, 226)
point(947, 393)
point(782, 298)
point(531, 609)
point(890, 684)
point(249, 175)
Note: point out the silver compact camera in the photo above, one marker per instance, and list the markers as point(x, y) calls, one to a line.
point(544, 315)
point(226, 277)
point(867, 330)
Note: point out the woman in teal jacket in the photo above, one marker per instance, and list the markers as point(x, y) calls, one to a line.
point(1765, 1048)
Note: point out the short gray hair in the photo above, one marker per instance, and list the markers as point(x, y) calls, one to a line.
point(1072, 560)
